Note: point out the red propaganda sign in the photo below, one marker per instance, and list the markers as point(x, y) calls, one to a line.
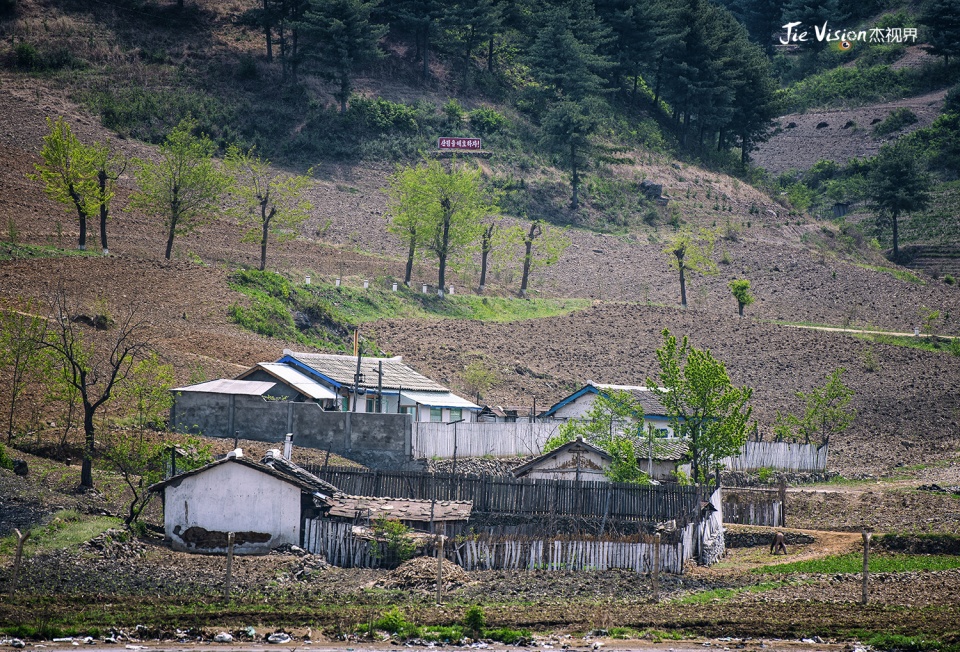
point(459, 143)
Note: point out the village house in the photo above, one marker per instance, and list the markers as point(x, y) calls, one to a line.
point(506, 414)
point(579, 403)
point(265, 504)
point(575, 460)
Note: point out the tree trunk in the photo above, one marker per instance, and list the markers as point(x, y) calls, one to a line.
point(490, 55)
point(344, 91)
point(575, 178)
point(267, 31)
point(102, 180)
point(442, 254)
point(740, 307)
point(265, 219)
point(86, 470)
point(410, 254)
point(426, 51)
point(485, 247)
point(173, 230)
point(527, 259)
point(81, 214)
point(896, 238)
point(683, 288)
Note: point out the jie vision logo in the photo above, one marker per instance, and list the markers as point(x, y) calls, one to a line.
point(796, 34)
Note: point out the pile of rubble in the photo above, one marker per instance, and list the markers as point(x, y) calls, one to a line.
point(421, 573)
point(116, 544)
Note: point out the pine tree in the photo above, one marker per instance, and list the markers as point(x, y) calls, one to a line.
point(942, 34)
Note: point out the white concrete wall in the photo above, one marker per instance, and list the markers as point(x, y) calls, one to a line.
point(235, 498)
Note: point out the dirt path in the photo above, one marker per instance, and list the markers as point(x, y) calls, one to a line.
point(838, 329)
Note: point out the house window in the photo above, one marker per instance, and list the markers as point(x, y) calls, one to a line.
point(345, 403)
point(409, 409)
point(436, 414)
point(456, 414)
point(371, 405)
point(663, 432)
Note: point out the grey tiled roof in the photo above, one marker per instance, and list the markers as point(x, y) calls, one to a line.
point(341, 368)
point(289, 468)
point(402, 509)
point(663, 449)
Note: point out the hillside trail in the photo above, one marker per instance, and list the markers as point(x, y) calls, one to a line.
point(839, 329)
point(739, 562)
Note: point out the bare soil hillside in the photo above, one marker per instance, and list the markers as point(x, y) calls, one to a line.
point(839, 135)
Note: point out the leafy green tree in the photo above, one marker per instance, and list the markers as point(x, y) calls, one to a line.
point(339, 36)
point(446, 207)
point(690, 252)
point(184, 185)
point(704, 406)
point(146, 392)
point(611, 424)
point(897, 184)
point(494, 239)
point(109, 164)
point(93, 366)
point(408, 207)
point(543, 245)
point(270, 202)
point(826, 412)
point(68, 172)
point(21, 331)
point(941, 18)
point(741, 292)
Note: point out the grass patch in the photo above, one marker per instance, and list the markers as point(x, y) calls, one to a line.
point(904, 643)
point(67, 528)
point(923, 343)
point(902, 274)
point(853, 563)
point(325, 315)
point(15, 251)
point(724, 595)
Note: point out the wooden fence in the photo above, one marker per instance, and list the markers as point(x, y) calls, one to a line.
point(480, 439)
point(336, 541)
point(521, 496)
point(749, 506)
point(782, 456)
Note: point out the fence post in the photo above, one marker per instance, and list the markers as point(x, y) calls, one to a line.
point(440, 572)
point(866, 564)
point(226, 584)
point(656, 567)
point(21, 539)
point(783, 502)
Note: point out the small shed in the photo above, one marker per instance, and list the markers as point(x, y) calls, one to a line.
point(263, 506)
point(663, 458)
point(575, 460)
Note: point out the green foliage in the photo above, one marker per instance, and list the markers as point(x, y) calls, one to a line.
point(6, 462)
point(478, 377)
point(704, 406)
point(487, 121)
point(508, 636)
point(474, 618)
point(740, 288)
point(269, 203)
point(184, 185)
point(853, 563)
point(395, 622)
point(826, 412)
point(897, 184)
point(904, 643)
point(65, 529)
point(764, 474)
point(392, 541)
point(691, 252)
point(383, 115)
point(897, 120)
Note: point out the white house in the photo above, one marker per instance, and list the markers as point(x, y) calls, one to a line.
point(384, 385)
point(579, 403)
point(263, 503)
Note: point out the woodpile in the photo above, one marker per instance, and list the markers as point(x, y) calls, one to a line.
point(421, 573)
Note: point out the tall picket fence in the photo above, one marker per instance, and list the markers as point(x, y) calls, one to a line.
point(750, 506)
point(446, 441)
point(782, 456)
point(521, 496)
point(341, 547)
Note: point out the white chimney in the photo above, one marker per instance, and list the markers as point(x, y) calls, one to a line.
point(288, 446)
point(236, 452)
point(273, 454)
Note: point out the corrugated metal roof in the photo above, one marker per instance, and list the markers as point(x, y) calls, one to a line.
point(228, 386)
point(341, 368)
point(402, 509)
point(437, 400)
point(301, 382)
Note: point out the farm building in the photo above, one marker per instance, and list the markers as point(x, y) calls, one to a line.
point(575, 460)
point(506, 414)
point(263, 503)
point(579, 403)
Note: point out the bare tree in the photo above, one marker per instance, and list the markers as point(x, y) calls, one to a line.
point(94, 363)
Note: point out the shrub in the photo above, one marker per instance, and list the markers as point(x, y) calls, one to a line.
point(392, 540)
point(454, 112)
point(949, 280)
point(5, 460)
point(475, 619)
point(487, 121)
point(764, 474)
point(25, 56)
point(900, 118)
point(383, 115)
